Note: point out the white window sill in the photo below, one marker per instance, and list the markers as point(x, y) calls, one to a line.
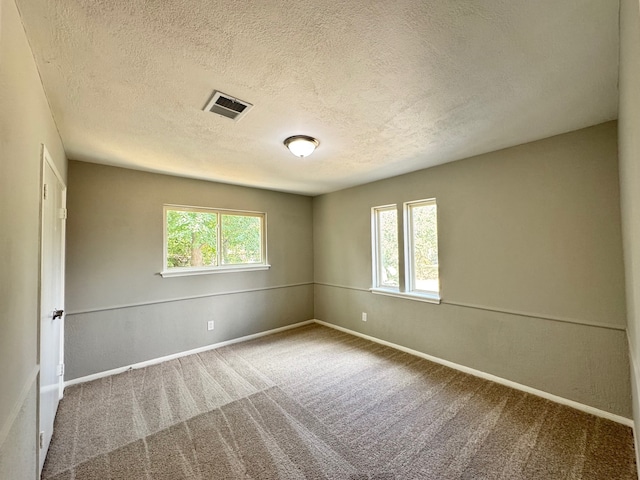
point(418, 296)
point(183, 272)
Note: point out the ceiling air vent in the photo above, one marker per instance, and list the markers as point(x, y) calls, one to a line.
point(227, 106)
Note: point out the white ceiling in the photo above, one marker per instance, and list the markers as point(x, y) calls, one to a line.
point(387, 87)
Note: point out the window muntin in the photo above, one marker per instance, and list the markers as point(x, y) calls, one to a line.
point(421, 239)
point(385, 235)
point(413, 271)
point(198, 240)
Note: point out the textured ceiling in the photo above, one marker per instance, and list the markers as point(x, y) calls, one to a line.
point(387, 87)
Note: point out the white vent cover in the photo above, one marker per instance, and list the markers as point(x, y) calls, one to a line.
point(227, 106)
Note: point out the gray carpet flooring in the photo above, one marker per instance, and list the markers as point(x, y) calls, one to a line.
point(316, 403)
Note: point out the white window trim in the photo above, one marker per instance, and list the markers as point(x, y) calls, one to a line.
point(415, 295)
point(405, 267)
point(186, 271)
point(375, 245)
point(408, 249)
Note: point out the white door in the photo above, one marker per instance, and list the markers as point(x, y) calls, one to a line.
point(53, 212)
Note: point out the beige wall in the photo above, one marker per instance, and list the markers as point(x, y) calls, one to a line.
point(121, 311)
point(629, 141)
point(530, 259)
point(25, 123)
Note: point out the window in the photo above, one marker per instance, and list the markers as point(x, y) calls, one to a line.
point(415, 273)
point(204, 240)
point(421, 242)
point(386, 246)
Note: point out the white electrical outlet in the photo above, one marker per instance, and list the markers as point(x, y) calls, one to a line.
point(210, 325)
point(364, 316)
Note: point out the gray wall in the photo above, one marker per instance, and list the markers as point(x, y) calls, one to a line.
point(18, 457)
point(25, 123)
point(121, 311)
point(629, 141)
point(533, 229)
point(530, 262)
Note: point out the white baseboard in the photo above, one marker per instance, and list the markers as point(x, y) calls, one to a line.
point(173, 356)
point(487, 376)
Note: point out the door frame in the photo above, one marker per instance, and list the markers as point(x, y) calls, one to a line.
point(47, 160)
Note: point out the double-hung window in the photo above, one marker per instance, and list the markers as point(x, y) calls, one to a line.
point(207, 240)
point(405, 257)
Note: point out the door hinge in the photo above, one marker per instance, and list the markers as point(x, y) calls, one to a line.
point(44, 191)
point(41, 439)
point(60, 369)
point(63, 213)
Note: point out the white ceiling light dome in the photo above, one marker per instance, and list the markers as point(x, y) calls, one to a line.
point(301, 145)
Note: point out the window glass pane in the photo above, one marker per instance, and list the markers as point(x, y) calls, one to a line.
point(388, 248)
point(192, 239)
point(241, 239)
point(424, 241)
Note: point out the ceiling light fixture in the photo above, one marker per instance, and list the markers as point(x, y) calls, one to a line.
point(301, 145)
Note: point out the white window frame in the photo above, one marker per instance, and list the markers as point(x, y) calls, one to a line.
point(410, 263)
point(241, 267)
point(406, 261)
point(375, 247)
